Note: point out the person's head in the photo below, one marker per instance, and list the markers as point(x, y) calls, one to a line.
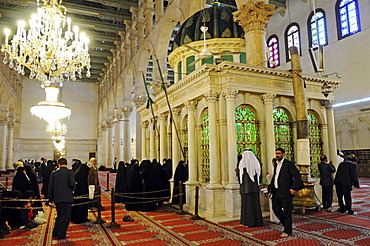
point(323, 158)
point(353, 153)
point(279, 153)
point(164, 161)
point(93, 161)
point(62, 162)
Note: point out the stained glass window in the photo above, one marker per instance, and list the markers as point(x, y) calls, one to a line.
point(348, 18)
point(317, 29)
point(315, 142)
point(247, 130)
point(179, 71)
point(283, 132)
point(185, 139)
point(273, 47)
point(292, 38)
point(205, 148)
point(189, 60)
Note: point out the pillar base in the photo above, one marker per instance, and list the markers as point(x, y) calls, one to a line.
point(214, 201)
point(190, 196)
point(232, 201)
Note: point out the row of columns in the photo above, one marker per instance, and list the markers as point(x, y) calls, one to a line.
point(6, 144)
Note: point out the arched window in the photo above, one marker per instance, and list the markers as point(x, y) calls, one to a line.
point(348, 18)
point(315, 142)
point(317, 29)
point(189, 60)
point(283, 132)
point(274, 55)
point(205, 147)
point(292, 38)
point(247, 130)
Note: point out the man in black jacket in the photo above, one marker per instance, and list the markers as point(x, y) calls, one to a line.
point(326, 181)
point(61, 186)
point(284, 185)
point(344, 180)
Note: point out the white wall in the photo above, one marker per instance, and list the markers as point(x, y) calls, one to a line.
point(82, 98)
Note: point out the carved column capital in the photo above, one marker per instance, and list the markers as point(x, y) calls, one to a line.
point(144, 124)
point(191, 104)
point(126, 111)
point(254, 15)
point(230, 93)
point(211, 95)
point(268, 97)
point(176, 111)
point(163, 116)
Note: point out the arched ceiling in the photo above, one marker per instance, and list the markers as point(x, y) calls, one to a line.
point(101, 20)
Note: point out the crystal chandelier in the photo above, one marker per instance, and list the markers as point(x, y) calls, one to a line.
point(57, 130)
point(50, 54)
point(59, 144)
point(51, 110)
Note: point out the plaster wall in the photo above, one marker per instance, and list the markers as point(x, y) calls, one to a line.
point(34, 143)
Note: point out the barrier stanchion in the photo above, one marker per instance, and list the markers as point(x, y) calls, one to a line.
point(181, 199)
point(107, 182)
point(99, 220)
point(196, 216)
point(113, 224)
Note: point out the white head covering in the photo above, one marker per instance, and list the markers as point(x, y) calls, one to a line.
point(251, 164)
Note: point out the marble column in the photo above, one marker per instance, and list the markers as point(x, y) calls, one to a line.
point(144, 126)
point(110, 144)
point(176, 152)
point(331, 132)
point(162, 135)
point(158, 9)
point(3, 135)
point(120, 142)
point(268, 100)
point(232, 196)
point(253, 17)
point(152, 148)
point(148, 21)
point(215, 201)
point(10, 161)
point(223, 135)
point(104, 137)
point(117, 139)
point(126, 134)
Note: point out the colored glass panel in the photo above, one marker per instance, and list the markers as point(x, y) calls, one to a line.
point(179, 69)
point(205, 148)
point(318, 30)
point(293, 39)
point(247, 130)
point(227, 57)
point(273, 47)
point(283, 132)
point(189, 60)
point(348, 17)
point(243, 57)
point(208, 60)
point(315, 142)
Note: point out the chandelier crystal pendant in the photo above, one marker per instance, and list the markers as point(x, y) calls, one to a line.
point(57, 130)
point(51, 110)
point(51, 54)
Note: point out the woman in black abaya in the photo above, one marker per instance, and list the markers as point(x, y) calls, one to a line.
point(80, 210)
point(133, 187)
point(181, 174)
point(120, 181)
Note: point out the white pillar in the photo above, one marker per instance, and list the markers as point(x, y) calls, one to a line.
point(104, 137)
point(331, 132)
point(152, 148)
point(144, 155)
point(231, 140)
point(9, 165)
point(192, 152)
point(110, 145)
point(268, 100)
point(213, 141)
point(120, 142)
point(126, 135)
point(175, 142)
point(117, 140)
point(3, 134)
point(223, 152)
point(162, 134)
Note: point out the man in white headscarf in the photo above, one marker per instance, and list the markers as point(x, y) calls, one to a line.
point(249, 171)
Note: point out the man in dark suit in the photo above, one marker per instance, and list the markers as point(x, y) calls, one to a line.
point(61, 186)
point(326, 181)
point(284, 185)
point(344, 181)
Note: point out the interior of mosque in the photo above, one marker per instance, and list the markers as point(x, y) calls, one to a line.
point(218, 104)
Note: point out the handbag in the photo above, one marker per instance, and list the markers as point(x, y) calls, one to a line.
point(40, 218)
point(91, 191)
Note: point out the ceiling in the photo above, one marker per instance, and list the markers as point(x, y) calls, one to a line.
point(101, 20)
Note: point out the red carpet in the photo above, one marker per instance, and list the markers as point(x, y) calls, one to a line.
point(164, 227)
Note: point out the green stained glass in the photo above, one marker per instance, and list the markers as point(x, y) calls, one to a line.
point(186, 141)
point(243, 57)
point(283, 132)
point(205, 148)
point(179, 70)
point(247, 130)
point(189, 60)
point(208, 60)
point(315, 142)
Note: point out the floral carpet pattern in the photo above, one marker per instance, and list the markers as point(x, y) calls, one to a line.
point(165, 227)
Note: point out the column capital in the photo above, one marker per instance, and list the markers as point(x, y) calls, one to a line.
point(103, 128)
point(139, 100)
point(230, 93)
point(191, 104)
point(327, 103)
point(211, 95)
point(3, 121)
point(268, 97)
point(144, 124)
point(126, 111)
point(254, 15)
point(11, 125)
point(176, 111)
point(109, 123)
point(163, 116)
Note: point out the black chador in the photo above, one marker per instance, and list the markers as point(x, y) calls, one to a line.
point(133, 187)
point(120, 181)
point(181, 174)
point(79, 209)
point(21, 181)
point(151, 184)
point(34, 184)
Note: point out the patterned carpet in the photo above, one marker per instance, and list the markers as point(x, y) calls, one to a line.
point(165, 227)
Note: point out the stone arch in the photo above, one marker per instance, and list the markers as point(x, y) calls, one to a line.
point(346, 135)
point(362, 128)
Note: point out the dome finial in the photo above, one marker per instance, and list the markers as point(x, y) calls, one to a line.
point(215, 3)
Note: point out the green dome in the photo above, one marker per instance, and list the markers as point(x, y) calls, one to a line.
point(218, 19)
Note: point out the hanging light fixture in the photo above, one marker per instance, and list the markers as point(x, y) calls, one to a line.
point(51, 110)
point(59, 144)
point(50, 54)
point(57, 130)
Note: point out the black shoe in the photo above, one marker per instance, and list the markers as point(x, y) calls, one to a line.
point(351, 212)
point(125, 218)
point(66, 236)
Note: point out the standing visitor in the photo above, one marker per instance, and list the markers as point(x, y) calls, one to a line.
point(61, 186)
point(249, 171)
point(326, 181)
